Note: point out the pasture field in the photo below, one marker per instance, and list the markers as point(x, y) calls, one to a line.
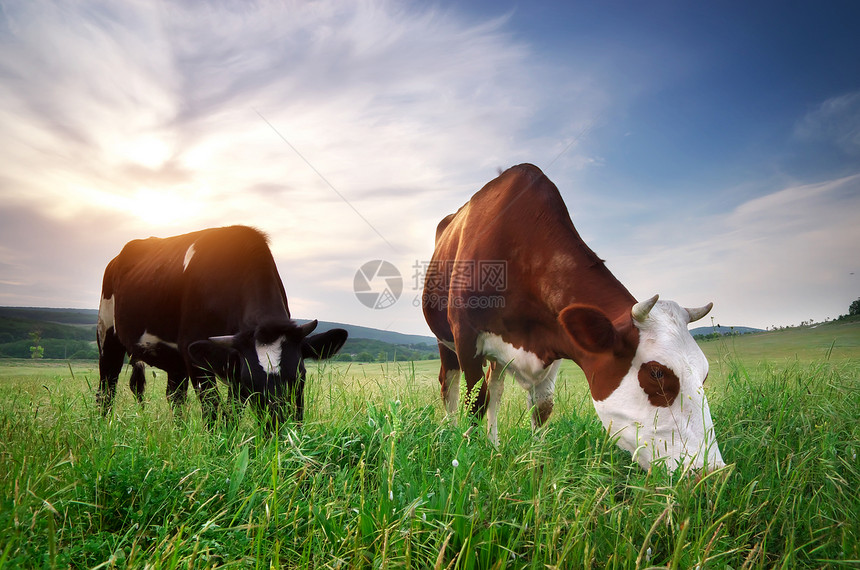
point(377, 478)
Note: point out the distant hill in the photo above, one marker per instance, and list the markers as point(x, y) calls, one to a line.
point(61, 316)
point(723, 330)
point(70, 333)
point(836, 341)
point(62, 333)
point(390, 337)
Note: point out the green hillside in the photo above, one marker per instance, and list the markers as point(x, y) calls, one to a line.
point(62, 333)
point(835, 341)
point(59, 316)
point(70, 334)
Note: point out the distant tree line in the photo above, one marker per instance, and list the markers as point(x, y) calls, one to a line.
point(853, 310)
point(25, 338)
point(28, 338)
point(719, 332)
point(853, 313)
point(50, 348)
point(716, 334)
point(367, 350)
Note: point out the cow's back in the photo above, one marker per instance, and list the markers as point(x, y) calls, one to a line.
point(143, 285)
point(231, 283)
point(190, 286)
point(518, 221)
point(522, 208)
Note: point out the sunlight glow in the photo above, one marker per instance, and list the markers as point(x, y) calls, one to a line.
point(159, 207)
point(149, 151)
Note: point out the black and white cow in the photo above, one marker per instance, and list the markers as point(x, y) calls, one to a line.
point(205, 304)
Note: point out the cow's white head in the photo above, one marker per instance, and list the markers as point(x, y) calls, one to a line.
point(264, 366)
point(658, 409)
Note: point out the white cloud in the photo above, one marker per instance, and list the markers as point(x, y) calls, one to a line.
point(836, 120)
point(134, 119)
point(123, 120)
point(772, 260)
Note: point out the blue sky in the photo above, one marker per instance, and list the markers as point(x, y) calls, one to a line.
point(708, 151)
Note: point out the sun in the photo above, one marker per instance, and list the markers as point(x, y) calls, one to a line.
point(160, 206)
point(148, 151)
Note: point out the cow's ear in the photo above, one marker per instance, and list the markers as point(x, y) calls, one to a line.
point(324, 345)
point(211, 356)
point(588, 327)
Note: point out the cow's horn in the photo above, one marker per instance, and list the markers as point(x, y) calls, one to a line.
point(226, 340)
point(696, 314)
point(641, 309)
point(309, 327)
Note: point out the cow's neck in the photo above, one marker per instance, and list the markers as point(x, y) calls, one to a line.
point(574, 274)
point(578, 276)
point(263, 306)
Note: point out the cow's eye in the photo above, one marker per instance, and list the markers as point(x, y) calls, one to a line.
point(656, 374)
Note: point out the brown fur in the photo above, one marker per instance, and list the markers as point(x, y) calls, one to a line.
point(560, 300)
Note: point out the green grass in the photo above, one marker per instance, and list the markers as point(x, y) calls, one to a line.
point(370, 479)
point(835, 341)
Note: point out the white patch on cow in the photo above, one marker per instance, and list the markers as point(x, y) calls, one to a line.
point(495, 389)
point(683, 433)
point(452, 381)
point(269, 356)
point(541, 394)
point(189, 253)
point(530, 371)
point(106, 318)
point(449, 344)
point(149, 341)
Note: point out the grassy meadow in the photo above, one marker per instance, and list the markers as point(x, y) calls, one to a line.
point(377, 478)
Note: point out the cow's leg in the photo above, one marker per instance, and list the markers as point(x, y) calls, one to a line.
point(539, 396)
point(111, 355)
point(206, 387)
point(472, 365)
point(449, 380)
point(177, 391)
point(495, 388)
point(299, 400)
point(137, 380)
point(234, 405)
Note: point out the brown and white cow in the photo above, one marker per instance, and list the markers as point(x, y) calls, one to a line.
point(202, 303)
point(555, 300)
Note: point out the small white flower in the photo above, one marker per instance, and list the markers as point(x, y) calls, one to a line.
point(648, 555)
point(424, 517)
point(455, 463)
point(390, 495)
